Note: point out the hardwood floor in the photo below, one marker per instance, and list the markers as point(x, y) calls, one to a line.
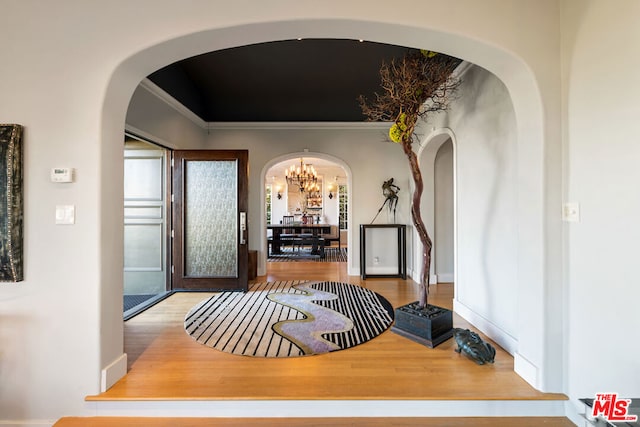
point(166, 364)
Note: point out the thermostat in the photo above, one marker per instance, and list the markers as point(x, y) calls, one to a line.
point(62, 175)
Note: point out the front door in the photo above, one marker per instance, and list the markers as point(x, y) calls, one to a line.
point(209, 219)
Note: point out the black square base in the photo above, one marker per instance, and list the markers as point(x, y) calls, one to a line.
point(429, 326)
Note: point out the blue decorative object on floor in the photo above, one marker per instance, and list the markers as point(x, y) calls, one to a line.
point(473, 346)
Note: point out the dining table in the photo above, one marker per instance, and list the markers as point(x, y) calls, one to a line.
point(305, 233)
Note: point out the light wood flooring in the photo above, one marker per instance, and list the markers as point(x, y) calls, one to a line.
point(166, 364)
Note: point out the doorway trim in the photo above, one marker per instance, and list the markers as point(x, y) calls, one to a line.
point(262, 261)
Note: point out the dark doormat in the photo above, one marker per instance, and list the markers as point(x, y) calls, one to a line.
point(131, 301)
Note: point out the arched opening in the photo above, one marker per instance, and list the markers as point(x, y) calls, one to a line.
point(444, 214)
point(295, 157)
point(532, 351)
point(428, 153)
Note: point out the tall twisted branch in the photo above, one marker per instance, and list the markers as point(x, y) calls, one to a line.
point(414, 87)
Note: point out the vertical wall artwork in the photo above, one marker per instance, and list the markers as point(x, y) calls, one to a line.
point(11, 212)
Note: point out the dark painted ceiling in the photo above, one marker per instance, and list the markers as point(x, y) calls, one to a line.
point(315, 80)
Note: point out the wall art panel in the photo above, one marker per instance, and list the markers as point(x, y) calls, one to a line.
point(11, 204)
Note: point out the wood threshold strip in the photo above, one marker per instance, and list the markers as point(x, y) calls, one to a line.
point(314, 422)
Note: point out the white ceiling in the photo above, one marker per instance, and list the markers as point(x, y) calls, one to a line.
point(327, 171)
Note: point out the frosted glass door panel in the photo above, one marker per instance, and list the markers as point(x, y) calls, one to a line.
point(145, 221)
point(211, 218)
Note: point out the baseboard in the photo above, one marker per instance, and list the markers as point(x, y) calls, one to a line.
point(113, 372)
point(373, 270)
point(499, 336)
point(445, 278)
point(527, 370)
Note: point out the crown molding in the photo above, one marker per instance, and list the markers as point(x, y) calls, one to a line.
point(164, 96)
point(462, 68)
point(297, 125)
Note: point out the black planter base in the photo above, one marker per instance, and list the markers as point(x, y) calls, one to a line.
point(429, 326)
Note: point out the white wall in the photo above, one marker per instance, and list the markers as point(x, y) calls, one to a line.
point(601, 56)
point(485, 128)
point(330, 205)
point(443, 213)
point(294, 200)
point(343, 142)
point(69, 72)
point(483, 122)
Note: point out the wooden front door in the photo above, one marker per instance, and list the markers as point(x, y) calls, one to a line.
point(210, 219)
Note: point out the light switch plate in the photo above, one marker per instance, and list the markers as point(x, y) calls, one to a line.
point(65, 214)
point(571, 212)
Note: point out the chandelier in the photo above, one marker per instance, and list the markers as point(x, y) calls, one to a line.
point(302, 176)
point(313, 191)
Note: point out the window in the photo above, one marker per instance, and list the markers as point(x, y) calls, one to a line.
point(343, 204)
point(268, 203)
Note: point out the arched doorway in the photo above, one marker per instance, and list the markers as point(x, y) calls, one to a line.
point(535, 359)
point(444, 214)
point(427, 157)
point(346, 178)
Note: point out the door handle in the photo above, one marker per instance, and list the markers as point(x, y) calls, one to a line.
point(243, 228)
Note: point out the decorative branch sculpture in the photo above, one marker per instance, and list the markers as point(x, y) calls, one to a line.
point(419, 84)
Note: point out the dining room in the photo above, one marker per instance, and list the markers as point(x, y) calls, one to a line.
point(306, 203)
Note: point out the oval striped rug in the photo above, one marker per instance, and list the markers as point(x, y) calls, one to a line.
point(289, 318)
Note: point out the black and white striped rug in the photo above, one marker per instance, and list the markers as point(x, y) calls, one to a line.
point(289, 255)
point(289, 318)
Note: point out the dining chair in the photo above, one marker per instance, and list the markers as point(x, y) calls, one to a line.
point(287, 219)
point(288, 234)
